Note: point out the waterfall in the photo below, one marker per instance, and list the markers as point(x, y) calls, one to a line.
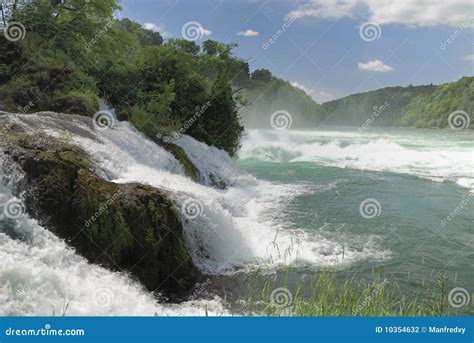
point(236, 228)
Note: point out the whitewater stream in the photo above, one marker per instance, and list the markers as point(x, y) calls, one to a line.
point(293, 198)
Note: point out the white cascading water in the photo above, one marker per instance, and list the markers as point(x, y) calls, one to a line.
point(41, 275)
point(413, 154)
point(239, 227)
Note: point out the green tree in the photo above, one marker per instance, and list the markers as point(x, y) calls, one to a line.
point(262, 75)
point(184, 45)
point(220, 124)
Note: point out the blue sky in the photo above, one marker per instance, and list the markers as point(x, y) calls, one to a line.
point(324, 48)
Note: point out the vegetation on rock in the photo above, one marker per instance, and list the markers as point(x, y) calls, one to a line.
point(178, 153)
point(132, 228)
point(75, 51)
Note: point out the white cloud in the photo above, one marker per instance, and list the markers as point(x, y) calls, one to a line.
point(468, 58)
point(205, 32)
point(323, 96)
point(248, 33)
point(454, 13)
point(319, 96)
point(157, 28)
point(152, 27)
point(422, 13)
point(324, 9)
point(375, 65)
point(300, 86)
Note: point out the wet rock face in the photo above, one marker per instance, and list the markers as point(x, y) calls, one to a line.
point(127, 227)
point(178, 153)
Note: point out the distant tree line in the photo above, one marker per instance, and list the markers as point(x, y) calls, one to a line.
point(74, 51)
point(413, 106)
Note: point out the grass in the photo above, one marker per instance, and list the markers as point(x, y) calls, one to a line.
point(326, 295)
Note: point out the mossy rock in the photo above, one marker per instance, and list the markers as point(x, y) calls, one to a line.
point(188, 166)
point(178, 153)
point(132, 228)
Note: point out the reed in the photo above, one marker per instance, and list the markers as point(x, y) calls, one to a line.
point(326, 295)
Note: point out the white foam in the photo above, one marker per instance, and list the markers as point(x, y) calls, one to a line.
point(240, 226)
point(41, 275)
point(212, 162)
point(437, 158)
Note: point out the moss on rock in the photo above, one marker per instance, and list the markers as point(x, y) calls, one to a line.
point(188, 166)
point(128, 227)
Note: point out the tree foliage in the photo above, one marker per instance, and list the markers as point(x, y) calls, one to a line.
point(268, 94)
point(432, 109)
point(413, 106)
point(76, 51)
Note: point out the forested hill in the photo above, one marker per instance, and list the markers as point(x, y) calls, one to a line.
point(412, 106)
point(267, 94)
point(432, 109)
point(427, 106)
point(73, 52)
